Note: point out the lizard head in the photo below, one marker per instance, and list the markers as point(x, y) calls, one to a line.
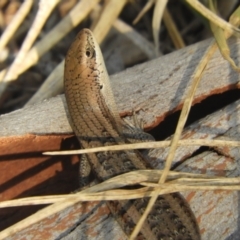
point(85, 74)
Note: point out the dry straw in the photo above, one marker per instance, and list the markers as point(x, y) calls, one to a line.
point(154, 182)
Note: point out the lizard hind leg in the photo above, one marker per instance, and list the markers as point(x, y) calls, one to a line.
point(136, 123)
point(133, 131)
point(85, 172)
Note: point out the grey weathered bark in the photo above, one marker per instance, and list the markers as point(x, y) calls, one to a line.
point(154, 90)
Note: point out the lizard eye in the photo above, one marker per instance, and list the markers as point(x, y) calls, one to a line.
point(90, 53)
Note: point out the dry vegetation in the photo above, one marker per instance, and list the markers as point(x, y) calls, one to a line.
point(35, 38)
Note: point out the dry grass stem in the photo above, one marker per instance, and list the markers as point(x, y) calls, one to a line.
point(153, 182)
point(160, 5)
point(149, 145)
point(174, 143)
point(109, 14)
point(15, 23)
point(147, 6)
point(75, 16)
point(176, 182)
point(143, 177)
point(45, 8)
point(172, 30)
point(142, 43)
point(54, 81)
point(213, 17)
point(221, 36)
point(111, 195)
point(52, 85)
point(71, 20)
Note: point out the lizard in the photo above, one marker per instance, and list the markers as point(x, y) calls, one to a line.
point(96, 122)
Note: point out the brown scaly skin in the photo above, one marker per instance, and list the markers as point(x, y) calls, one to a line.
point(96, 122)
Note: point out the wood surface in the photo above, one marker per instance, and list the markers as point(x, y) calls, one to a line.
point(153, 90)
